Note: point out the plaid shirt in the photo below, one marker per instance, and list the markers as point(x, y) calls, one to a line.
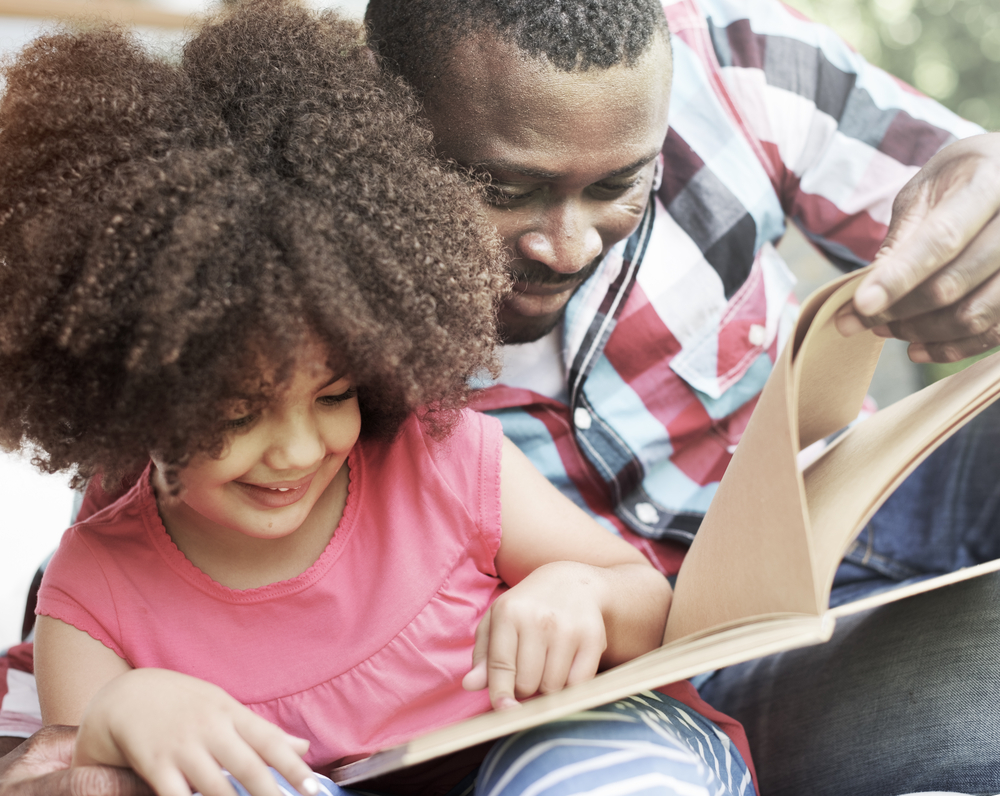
point(668, 345)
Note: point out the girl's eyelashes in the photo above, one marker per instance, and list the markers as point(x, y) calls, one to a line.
point(240, 422)
point(332, 400)
point(244, 422)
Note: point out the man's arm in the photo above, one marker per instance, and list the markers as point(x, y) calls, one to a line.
point(870, 170)
point(39, 766)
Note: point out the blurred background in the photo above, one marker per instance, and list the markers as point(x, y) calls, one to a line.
point(949, 49)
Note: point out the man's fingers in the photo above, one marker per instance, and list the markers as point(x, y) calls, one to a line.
point(955, 350)
point(962, 329)
point(976, 266)
point(952, 218)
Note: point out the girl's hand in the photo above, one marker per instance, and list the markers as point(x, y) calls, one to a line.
point(580, 598)
point(178, 733)
point(544, 634)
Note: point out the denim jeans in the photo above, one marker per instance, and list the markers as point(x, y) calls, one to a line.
point(905, 697)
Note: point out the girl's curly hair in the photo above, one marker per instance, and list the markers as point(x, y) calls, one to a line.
point(170, 233)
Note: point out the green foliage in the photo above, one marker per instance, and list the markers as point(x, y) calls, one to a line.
point(949, 49)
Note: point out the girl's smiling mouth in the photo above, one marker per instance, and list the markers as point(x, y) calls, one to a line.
point(276, 495)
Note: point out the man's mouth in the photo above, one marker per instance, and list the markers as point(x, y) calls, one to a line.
point(532, 288)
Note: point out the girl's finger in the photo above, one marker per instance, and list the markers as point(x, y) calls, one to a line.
point(558, 660)
point(204, 773)
point(167, 780)
point(282, 751)
point(532, 651)
point(501, 664)
point(587, 661)
point(243, 760)
point(482, 645)
point(476, 679)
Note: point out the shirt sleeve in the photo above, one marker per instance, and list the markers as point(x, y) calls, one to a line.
point(838, 136)
point(75, 590)
point(95, 497)
point(469, 462)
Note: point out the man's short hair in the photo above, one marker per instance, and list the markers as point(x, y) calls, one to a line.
point(417, 37)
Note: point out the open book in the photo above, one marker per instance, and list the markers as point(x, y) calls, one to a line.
point(757, 579)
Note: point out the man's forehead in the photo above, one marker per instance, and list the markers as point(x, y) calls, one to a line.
point(492, 92)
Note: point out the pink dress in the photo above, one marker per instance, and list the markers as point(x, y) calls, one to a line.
point(366, 648)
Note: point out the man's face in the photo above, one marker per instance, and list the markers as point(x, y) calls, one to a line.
point(570, 157)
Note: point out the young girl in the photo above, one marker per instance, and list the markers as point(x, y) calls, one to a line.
point(246, 277)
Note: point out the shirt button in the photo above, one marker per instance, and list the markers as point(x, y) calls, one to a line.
point(757, 334)
point(647, 513)
point(581, 418)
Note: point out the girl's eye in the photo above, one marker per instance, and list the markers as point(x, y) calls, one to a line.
point(240, 422)
point(333, 400)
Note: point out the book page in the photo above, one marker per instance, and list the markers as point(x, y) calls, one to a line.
point(852, 479)
point(753, 555)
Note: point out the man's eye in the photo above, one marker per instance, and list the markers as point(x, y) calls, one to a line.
point(499, 196)
point(617, 188)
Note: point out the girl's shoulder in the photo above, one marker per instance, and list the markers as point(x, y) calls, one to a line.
point(458, 475)
point(474, 435)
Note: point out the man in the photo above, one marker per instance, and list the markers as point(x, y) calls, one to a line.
point(645, 328)
point(650, 303)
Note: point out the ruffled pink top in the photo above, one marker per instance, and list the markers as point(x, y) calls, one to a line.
point(363, 650)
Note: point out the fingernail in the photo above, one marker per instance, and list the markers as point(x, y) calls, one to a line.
point(506, 703)
point(882, 331)
point(870, 299)
point(310, 786)
point(918, 354)
point(849, 324)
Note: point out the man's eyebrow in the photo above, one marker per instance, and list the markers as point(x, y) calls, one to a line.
point(491, 166)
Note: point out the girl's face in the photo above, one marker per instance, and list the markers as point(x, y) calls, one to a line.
point(277, 464)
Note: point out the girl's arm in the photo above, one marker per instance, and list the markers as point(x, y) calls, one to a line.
point(580, 599)
point(174, 730)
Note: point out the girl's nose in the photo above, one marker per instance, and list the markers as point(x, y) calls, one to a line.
point(295, 445)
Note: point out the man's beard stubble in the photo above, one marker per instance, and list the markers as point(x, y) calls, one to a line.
point(526, 329)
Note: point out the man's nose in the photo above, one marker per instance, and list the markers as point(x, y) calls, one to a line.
point(565, 239)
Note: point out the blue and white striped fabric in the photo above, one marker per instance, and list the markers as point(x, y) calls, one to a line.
point(646, 744)
point(327, 787)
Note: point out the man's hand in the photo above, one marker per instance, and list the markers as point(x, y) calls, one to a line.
point(936, 280)
point(40, 767)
